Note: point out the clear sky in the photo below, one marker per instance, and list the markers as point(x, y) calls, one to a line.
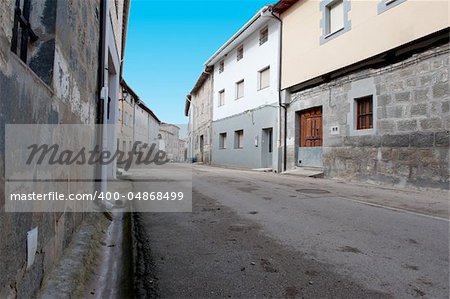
point(169, 41)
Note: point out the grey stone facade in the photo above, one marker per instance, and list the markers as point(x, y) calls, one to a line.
point(409, 142)
point(58, 84)
point(171, 144)
point(200, 112)
point(253, 153)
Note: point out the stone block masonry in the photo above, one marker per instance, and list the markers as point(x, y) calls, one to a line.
point(56, 85)
point(409, 142)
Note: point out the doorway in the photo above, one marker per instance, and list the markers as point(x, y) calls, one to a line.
point(202, 145)
point(267, 148)
point(310, 137)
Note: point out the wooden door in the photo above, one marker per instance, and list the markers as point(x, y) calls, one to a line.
point(311, 127)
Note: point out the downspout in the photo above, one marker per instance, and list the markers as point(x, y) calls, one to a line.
point(99, 184)
point(101, 61)
point(280, 49)
point(192, 125)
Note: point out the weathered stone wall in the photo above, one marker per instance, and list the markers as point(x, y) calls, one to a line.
point(409, 144)
point(57, 86)
point(170, 141)
point(202, 102)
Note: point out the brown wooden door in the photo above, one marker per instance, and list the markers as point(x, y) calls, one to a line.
point(311, 127)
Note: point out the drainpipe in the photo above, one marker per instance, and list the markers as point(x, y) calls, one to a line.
point(280, 48)
point(103, 92)
point(192, 125)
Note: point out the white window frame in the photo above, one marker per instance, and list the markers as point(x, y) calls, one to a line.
point(223, 140)
point(260, 73)
point(221, 98)
point(325, 6)
point(239, 139)
point(263, 38)
point(237, 95)
point(240, 52)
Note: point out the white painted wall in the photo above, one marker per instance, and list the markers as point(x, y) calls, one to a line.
point(256, 58)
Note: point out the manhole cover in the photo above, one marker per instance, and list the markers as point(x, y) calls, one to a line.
point(313, 191)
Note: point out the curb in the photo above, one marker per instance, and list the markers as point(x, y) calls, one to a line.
point(72, 271)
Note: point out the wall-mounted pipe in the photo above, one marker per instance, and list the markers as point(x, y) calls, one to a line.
point(280, 49)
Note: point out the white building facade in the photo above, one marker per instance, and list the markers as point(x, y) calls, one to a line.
point(246, 96)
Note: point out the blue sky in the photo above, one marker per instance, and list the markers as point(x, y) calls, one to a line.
point(168, 42)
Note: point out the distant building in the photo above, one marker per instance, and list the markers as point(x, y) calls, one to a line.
point(136, 122)
point(171, 144)
point(199, 111)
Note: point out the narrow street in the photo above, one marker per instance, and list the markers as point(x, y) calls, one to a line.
point(264, 235)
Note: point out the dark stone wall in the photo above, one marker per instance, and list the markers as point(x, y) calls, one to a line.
point(58, 85)
point(409, 145)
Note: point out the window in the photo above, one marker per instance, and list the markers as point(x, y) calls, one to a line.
point(364, 113)
point(222, 97)
point(263, 35)
point(270, 135)
point(222, 140)
point(37, 52)
point(264, 78)
point(239, 139)
point(334, 18)
point(384, 5)
point(240, 89)
point(240, 53)
point(221, 66)
point(22, 31)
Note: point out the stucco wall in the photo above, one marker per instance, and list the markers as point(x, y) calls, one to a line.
point(125, 128)
point(252, 122)
point(304, 57)
point(410, 139)
point(256, 58)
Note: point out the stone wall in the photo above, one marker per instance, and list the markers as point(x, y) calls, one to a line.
point(409, 142)
point(58, 85)
point(202, 103)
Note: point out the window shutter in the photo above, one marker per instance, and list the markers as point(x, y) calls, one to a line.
point(336, 16)
point(264, 80)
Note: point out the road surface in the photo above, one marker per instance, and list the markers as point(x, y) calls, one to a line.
point(254, 235)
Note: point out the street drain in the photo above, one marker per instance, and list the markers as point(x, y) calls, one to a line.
point(313, 191)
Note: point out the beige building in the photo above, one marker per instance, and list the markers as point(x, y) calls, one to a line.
point(199, 111)
point(365, 89)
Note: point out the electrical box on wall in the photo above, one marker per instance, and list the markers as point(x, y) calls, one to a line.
point(335, 130)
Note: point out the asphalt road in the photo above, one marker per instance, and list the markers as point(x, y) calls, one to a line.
point(255, 235)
